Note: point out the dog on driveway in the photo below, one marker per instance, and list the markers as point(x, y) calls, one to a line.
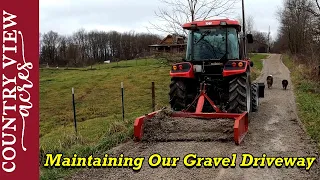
point(269, 81)
point(284, 84)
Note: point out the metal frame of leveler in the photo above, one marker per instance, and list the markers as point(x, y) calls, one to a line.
point(240, 120)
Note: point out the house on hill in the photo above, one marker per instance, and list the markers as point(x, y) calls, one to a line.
point(173, 43)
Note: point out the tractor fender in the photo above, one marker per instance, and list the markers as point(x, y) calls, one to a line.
point(182, 70)
point(236, 67)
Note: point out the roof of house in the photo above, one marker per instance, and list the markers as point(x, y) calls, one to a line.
point(172, 36)
point(174, 42)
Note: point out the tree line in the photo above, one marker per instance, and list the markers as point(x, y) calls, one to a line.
point(84, 48)
point(299, 32)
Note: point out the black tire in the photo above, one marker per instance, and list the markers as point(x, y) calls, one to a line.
point(178, 95)
point(255, 97)
point(240, 94)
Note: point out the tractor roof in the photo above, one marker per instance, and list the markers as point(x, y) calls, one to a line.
point(214, 22)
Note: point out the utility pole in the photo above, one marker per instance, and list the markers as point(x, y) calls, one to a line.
point(244, 32)
point(269, 40)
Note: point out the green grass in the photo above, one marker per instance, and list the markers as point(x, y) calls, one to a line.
point(308, 102)
point(98, 106)
point(257, 65)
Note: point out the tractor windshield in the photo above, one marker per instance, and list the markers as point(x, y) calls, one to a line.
point(211, 44)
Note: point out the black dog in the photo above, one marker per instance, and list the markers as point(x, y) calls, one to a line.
point(285, 84)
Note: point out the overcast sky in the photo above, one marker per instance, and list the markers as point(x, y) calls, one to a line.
point(67, 16)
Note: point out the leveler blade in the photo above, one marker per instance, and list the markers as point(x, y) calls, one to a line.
point(240, 128)
point(240, 122)
point(138, 125)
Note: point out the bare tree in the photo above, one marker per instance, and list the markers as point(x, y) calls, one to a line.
point(260, 37)
point(178, 12)
point(249, 23)
point(50, 42)
point(299, 31)
point(80, 37)
point(87, 48)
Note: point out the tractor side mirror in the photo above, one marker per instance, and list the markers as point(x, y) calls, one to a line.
point(250, 38)
point(251, 64)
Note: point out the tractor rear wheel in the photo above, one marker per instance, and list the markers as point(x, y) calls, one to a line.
point(255, 97)
point(240, 94)
point(181, 94)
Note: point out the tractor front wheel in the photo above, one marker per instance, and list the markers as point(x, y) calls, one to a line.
point(240, 94)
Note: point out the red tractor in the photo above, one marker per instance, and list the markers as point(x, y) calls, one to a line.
point(217, 65)
point(214, 81)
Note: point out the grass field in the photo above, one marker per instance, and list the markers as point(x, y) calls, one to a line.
point(98, 105)
point(308, 102)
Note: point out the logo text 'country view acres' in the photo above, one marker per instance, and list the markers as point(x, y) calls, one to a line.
point(15, 90)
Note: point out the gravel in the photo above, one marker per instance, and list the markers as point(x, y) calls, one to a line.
point(163, 127)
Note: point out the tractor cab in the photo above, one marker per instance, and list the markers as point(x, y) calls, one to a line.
point(215, 41)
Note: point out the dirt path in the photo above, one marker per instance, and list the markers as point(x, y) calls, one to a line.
point(273, 130)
